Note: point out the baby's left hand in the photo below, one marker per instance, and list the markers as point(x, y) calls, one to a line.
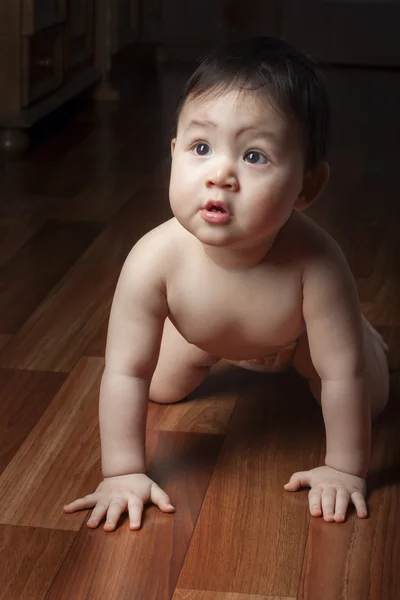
point(331, 492)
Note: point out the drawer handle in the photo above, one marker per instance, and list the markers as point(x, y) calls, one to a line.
point(45, 62)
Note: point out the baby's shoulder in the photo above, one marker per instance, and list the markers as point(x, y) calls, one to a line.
point(157, 249)
point(321, 258)
point(311, 243)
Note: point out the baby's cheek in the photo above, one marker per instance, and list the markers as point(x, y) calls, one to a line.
point(266, 208)
point(180, 177)
point(179, 194)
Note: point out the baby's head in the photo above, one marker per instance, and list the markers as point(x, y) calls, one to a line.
point(277, 71)
point(250, 143)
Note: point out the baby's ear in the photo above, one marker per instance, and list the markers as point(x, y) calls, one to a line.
point(313, 184)
point(173, 142)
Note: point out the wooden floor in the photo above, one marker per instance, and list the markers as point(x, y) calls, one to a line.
point(95, 181)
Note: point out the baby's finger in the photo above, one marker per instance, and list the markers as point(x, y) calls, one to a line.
point(81, 504)
point(116, 508)
point(298, 480)
point(360, 504)
point(135, 509)
point(97, 515)
point(328, 504)
point(342, 502)
point(160, 498)
point(314, 501)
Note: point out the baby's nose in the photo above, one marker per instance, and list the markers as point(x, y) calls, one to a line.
point(223, 177)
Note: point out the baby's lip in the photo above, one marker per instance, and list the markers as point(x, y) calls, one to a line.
point(216, 204)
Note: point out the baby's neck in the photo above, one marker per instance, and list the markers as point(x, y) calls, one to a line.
point(239, 259)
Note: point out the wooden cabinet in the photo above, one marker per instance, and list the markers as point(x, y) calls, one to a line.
point(42, 60)
point(38, 15)
point(47, 56)
point(79, 36)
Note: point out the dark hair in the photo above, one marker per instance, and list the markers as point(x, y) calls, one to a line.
point(291, 80)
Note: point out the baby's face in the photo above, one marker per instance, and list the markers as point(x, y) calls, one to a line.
point(237, 169)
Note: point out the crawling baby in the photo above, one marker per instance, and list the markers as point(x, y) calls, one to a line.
point(240, 273)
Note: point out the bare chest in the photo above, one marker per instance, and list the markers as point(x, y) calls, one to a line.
point(236, 316)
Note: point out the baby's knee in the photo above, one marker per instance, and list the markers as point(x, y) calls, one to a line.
point(377, 371)
point(380, 396)
point(166, 401)
point(164, 396)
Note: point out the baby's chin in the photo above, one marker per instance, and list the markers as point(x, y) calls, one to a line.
point(227, 235)
point(211, 235)
point(236, 242)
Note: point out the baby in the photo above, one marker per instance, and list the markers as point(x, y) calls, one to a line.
point(241, 273)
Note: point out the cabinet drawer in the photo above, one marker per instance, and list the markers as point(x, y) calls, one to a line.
point(79, 36)
point(43, 64)
point(38, 15)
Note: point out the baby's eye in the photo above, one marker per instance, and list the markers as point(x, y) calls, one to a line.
point(201, 149)
point(255, 158)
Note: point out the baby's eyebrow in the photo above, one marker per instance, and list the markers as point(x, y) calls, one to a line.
point(194, 123)
point(261, 132)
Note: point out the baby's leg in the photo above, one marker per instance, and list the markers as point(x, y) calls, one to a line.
point(180, 369)
point(376, 368)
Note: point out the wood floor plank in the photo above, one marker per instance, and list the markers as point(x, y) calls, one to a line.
point(111, 167)
point(19, 229)
point(59, 458)
point(30, 558)
point(111, 188)
point(4, 339)
point(57, 333)
point(202, 415)
point(97, 345)
point(38, 266)
point(208, 409)
point(150, 559)
point(203, 595)
point(3, 232)
point(358, 559)
point(249, 526)
point(25, 396)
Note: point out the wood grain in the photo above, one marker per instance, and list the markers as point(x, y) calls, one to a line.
point(40, 264)
point(113, 185)
point(18, 230)
point(4, 339)
point(203, 595)
point(30, 558)
point(245, 502)
point(56, 334)
point(150, 558)
point(24, 398)
point(203, 415)
point(59, 458)
point(97, 344)
point(356, 557)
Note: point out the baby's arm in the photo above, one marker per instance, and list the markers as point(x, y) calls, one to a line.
point(333, 319)
point(334, 327)
point(136, 323)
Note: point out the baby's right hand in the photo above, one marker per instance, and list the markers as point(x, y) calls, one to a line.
point(116, 495)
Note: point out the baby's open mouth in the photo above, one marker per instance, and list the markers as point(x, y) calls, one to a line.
point(216, 207)
point(216, 213)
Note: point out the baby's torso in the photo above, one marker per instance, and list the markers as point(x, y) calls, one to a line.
point(235, 314)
